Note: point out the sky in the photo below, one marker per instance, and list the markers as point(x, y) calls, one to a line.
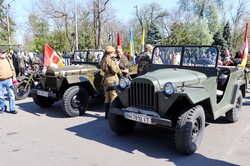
point(124, 10)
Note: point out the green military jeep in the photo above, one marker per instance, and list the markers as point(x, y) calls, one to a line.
point(74, 84)
point(179, 93)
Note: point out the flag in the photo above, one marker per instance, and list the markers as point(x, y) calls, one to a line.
point(142, 44)
point(131, 46)
point(119, 40)
point(51, 59)
point(245, 48)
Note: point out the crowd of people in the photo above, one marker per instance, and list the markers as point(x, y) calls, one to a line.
point(12, 65)
point(24, 60)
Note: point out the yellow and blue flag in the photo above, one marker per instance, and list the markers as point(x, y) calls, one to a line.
point(142, 44)
point(131, 46)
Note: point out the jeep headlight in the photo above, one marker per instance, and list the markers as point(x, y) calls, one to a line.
point(169, 88)
point(124, 82)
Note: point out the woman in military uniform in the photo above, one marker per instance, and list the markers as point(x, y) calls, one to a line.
point(111, 71)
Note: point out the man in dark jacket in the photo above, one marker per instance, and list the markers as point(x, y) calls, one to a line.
point(14, 58)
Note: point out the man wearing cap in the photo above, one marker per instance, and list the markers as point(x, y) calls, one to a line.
point(35, 62)
point(7, 79)
point(111, 71)
point(123, 61)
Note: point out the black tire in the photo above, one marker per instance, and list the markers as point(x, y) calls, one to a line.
point(189, 130)
point(118, 123)
point(41, 100)
point(234, 114)
point(75, 101)
point(20, 91)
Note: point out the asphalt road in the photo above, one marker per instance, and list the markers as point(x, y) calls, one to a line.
point(46, 137)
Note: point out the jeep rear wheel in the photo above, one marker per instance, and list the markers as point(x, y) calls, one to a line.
point(41, 100)
point(234, 114)
point(118, 123)
point(75, 101)
point(189, 129)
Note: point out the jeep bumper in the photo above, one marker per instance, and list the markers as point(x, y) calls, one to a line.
point(140, 117)
point(44, 93)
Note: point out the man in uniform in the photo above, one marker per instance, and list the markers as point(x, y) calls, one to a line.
point(144, 60)
point(36, 62)
point(123, 61)
point(111, 71)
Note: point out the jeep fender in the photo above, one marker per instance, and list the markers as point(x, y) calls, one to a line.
point(239, 85)
point(74, 79)
point(193, 95)
point(84, 83)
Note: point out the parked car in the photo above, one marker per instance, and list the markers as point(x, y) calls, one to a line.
point(74, 84)
point(179, 94)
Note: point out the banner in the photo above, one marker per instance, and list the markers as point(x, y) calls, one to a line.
point(51, 59)
point(119, 40)
point(245, 48)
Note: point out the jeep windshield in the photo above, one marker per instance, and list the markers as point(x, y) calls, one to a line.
point(87, 56)
point(195, 56)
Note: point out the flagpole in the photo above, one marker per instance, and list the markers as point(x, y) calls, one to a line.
point(76, 26)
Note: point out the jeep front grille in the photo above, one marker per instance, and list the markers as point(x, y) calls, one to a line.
point(141, 95)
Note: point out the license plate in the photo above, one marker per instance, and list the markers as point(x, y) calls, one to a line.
point(137, 117)
point(42, 93)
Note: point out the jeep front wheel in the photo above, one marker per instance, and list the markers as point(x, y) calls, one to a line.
point(234, 114)
point(75, 101)
point(118, 123)
point(189, 129)
point(41, 100)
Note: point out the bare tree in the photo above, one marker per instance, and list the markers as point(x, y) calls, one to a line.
point(149, 13)
point(62, 16)
point(99, 6)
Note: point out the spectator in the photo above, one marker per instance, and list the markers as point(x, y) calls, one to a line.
point(21, 63)
point(7, 79)
point(14, 58)
point(40, 56)
point(157, 57)
point(26, 59)
point(66, 58)
point(225, 56)
point(220, 63)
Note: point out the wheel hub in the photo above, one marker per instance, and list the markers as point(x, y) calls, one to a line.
point(75, 101)
point(195, 129)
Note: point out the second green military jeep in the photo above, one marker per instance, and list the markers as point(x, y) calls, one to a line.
point(178, 92)
point(75, 84)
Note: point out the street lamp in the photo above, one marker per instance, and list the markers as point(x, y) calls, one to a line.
point(8, 21)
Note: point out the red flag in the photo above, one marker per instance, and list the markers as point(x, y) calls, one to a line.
point(51, 59)
point(119, 40)
point(245, 48)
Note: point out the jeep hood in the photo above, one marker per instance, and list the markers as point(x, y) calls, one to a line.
point(74, 69)
point(178, 76)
